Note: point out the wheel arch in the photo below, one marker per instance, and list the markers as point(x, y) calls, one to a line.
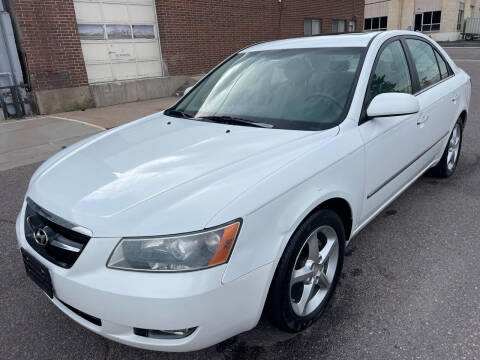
point(341, 207)
point(337, 204)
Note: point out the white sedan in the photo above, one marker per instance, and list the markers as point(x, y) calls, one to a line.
point(176, 231)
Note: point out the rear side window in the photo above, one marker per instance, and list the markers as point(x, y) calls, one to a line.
point(442, 65)
point(425, 62)
point(391, 72)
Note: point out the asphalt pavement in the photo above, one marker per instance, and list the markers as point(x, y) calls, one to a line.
point(410, 288)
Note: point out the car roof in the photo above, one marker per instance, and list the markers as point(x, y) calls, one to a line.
point(334, 40)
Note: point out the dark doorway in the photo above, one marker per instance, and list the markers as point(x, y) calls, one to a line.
point(418, 22)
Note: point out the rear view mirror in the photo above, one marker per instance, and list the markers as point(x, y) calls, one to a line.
point(393, 104)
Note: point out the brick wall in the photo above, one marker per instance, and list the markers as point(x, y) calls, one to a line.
point(50, 43)
point(197, 35)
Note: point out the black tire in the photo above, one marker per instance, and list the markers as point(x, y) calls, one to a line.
point(279, 304)
point(469, 37)
point(442, 170)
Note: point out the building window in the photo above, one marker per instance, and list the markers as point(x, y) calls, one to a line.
point(119, 32)
point(351, 26)
point(338, 26)
point(143, 32)
point(430, 20)
point(460, 19)
point(376, 24)
point(312, 27)
point(91, 32)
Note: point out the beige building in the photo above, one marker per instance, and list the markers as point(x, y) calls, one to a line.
point(441, 19)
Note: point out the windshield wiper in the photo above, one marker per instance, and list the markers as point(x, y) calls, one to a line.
point(236, 121)
point(177, 113)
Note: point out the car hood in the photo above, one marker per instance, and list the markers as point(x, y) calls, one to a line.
point(161, 175)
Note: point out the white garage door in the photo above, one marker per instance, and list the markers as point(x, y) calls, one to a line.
point(119, 39)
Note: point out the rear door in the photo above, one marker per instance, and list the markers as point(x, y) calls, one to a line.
point(438, 95)
point(391, 143)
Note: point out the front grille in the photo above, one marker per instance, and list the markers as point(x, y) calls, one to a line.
point(63, 245)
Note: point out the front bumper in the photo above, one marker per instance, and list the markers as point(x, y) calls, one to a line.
point(124, 300)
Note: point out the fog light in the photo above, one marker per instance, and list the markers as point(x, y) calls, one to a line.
point(164, 334)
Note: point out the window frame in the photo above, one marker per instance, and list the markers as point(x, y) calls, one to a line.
point(460, 18)
point(431, 20)
point(310, 21)
point(348, 104)
point(412, 69)
point(380, 28)
point(349, 26)
point(434, 49)
point(374, 68)
point(338, 21)
point(367, 98)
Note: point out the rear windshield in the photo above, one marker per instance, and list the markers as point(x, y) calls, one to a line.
point(303, 89)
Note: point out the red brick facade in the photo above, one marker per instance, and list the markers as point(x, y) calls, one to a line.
point(196, 35)
point(49, 40)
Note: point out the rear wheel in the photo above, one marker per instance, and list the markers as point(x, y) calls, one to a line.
point(448, 163)
point(308, 272)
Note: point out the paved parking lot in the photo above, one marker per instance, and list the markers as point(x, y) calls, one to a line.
point(410, 287)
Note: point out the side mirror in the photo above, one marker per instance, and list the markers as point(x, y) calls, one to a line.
point(393, 104)
point(187, 90)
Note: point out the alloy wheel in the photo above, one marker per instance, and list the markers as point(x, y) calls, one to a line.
point(314, 270)
point(454, 147)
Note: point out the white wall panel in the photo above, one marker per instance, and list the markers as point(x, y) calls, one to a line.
point(429, 5)
point(376, 9)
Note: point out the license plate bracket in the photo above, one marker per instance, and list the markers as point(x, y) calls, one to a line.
point(38, 273)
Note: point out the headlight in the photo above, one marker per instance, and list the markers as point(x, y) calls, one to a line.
point(177, 252)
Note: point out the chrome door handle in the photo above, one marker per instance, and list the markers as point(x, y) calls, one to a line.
point(422, 119)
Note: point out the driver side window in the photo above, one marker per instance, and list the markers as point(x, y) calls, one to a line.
point(391, 72)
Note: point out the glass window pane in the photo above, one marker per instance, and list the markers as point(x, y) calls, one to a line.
point(383, 22)
point(91, 32)
point(143, 32)
point(391, 72)
point(368, 24)
point(338, 26)
point(426, 27)
point(437, 17)
point(427, 17)
point(435, 27)
point(442, 65)
point(425, 62)
point(116, 32)
point(376, 23)
point(292, 88)
point(460, 20)
point(307, 27)
point(316, 27)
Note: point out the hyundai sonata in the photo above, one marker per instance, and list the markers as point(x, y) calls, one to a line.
point(176, 231)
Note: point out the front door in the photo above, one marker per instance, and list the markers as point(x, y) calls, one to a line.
point(391, 143)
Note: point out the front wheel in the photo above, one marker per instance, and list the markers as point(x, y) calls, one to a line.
point(308, 272)
point(448, 163)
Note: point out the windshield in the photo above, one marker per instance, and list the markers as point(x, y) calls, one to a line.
point(303, 89)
